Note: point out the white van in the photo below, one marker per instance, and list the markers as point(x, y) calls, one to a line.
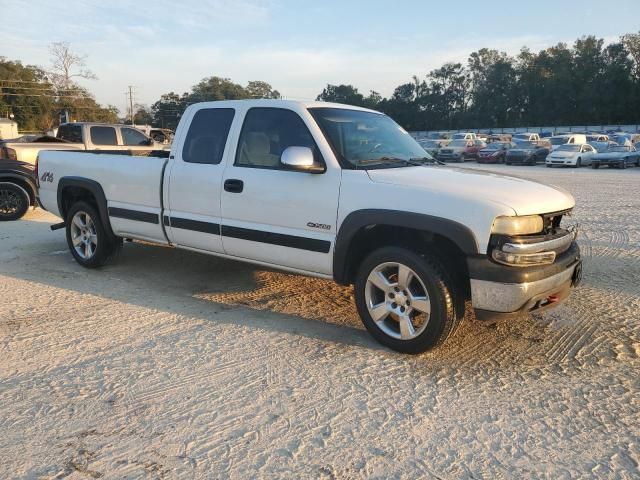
point(558, 140)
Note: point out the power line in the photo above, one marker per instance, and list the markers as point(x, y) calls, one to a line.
point(46, 96)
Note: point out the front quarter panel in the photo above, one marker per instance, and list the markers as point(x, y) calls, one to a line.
point(359, 192)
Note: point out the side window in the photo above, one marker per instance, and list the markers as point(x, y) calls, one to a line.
point(103, 136)
point(70, 133)
point(132, 137)
point(572, 140)
point(207, 135)
point(267, 132)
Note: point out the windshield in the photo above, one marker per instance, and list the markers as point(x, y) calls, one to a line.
point(526, 145)
point(558, 140)
point(458, 143)
point(568, 148)
point(366, 138)
point(459, 135)
point(429, 144)
point(524, 136)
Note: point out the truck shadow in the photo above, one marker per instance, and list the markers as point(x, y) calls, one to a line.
point(224, 291)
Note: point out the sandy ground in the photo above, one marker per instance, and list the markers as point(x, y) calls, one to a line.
point(169, 364)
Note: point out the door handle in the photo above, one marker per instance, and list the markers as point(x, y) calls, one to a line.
point(233, 185)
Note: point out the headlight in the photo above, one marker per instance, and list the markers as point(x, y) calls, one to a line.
point(517, 225)
point(523, 259)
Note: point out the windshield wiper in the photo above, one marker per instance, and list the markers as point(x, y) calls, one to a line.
point(414, 161)
point(423, 160)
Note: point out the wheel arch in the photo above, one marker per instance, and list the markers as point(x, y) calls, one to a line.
point(27, 183)
point(360, 229)
point(71, 189)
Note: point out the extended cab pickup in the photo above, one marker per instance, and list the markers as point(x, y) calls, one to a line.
point(81, 136)
point(330, 191)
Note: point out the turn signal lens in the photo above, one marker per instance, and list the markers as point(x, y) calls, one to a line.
point(523, 259)
point(518, 225)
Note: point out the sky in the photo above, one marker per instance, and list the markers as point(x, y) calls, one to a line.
point(296, 46)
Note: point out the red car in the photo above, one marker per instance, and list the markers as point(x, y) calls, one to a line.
point(494, 152)
point(461, 150)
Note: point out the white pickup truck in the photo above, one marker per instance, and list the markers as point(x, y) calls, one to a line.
point(81, 136)
point(330, 191)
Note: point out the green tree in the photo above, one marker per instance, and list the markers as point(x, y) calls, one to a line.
point(347, 94)
point(259, 89)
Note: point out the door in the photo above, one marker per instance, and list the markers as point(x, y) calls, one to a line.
point(274, 215)
point(193, 181)
point(587, 153)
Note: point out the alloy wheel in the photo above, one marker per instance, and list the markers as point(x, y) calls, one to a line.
point(84, 235)
point(397, 300)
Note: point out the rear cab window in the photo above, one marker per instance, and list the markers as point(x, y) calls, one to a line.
point(207, 135)
point(70, 133)
point(103, 135)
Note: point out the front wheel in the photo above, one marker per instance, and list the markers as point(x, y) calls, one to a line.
point(14, 201)
point(88, 241)
point(579, 163)
point(595, 165)
point(405, 300)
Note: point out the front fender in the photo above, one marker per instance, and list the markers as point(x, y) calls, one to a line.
point(459, 234)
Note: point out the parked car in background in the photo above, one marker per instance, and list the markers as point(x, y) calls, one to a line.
point(494, 152)
point(82, 136)
point(571, 155)
point(461, 150)
point(618, 156)
point(430, 146)
point(527, 153)
point(464, 136)
point(573, 138)
point(525, 137)
point(599, 142)
point(17, 189)
point(499, 137)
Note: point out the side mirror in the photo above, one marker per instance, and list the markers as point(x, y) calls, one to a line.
point(300, 159)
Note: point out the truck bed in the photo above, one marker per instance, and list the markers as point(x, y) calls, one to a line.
point(129, 182)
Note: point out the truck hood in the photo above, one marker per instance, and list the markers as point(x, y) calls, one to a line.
point(525, 197)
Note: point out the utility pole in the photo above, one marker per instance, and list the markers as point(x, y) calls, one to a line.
point(131, 103)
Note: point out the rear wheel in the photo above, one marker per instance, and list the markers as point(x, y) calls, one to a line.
point(88, 241)
point(595, 165)
point(14, 201)
point(405, 300)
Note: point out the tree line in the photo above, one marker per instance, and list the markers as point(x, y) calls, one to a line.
point(589, 82)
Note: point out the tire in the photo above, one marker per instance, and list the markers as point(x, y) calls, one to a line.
point(390, 304)
point(14, 201)
point(507, 163)
point(579, 163)
point(87, 238)
point(595, 165)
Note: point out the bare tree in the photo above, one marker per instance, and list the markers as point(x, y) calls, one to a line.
point(67, 65)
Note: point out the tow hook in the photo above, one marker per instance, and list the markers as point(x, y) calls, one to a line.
point(57, 226)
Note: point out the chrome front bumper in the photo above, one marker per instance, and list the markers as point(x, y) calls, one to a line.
point(521, 297)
